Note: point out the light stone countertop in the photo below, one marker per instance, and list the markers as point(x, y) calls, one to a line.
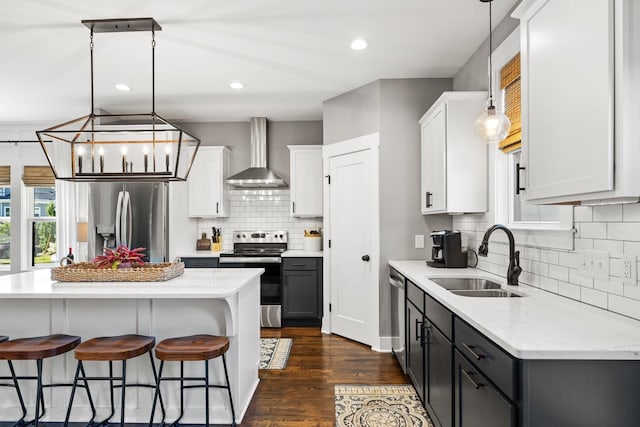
point(194, 283)
point(539, 325)
point(302, 254)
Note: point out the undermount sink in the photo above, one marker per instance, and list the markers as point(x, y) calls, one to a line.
point(487, 293)
point(465, 283)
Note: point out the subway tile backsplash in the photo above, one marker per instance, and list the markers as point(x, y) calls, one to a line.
point(612, 228)
point(259, 210)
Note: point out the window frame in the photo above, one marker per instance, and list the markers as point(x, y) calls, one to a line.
point(546, 234)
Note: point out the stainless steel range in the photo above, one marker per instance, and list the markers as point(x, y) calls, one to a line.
point(261, 249)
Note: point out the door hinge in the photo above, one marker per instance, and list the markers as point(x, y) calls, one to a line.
point(329, 307)
point(328, 178)
point(329, 243)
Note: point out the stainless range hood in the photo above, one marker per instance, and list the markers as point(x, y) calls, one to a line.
point(258, 175)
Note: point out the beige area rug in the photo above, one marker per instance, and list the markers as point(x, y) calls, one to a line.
point(274, 352)
point(379, 406)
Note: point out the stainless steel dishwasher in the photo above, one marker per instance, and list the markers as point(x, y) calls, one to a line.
point(398, 337)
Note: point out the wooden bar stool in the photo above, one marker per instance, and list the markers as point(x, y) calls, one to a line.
point(189, 349)
point(38, 349)
point(110, 349)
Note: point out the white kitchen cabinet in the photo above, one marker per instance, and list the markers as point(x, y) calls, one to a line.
point(306, 180)
point(453, 160)
point(208, 191)
point(580, 100)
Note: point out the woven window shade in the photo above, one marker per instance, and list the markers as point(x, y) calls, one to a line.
point(5, 175)
point(38, 176)
point(510, 83)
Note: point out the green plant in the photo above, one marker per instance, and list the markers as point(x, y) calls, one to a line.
point(121, 257)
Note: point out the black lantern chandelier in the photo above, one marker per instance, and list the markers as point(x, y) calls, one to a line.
point(114, 147)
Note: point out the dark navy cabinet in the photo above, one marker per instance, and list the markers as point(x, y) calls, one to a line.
point(301, 291)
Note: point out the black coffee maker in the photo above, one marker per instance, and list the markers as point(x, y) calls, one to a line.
point(447, 250)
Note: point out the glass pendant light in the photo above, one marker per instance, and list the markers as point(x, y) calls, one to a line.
point(492, 126)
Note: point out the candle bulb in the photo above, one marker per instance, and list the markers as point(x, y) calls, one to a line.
point(146, 158)
point(124, 159)
point(80, 153)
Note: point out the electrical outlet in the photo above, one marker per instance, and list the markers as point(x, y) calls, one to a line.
point(628, 273)
point(596, 264)
point(419, 241)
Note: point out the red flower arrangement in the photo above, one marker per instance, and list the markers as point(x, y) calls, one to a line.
point(121, 257)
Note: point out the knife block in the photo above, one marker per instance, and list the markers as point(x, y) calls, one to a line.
point(217, 246)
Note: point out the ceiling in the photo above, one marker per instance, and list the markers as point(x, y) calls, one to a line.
point(291, 55)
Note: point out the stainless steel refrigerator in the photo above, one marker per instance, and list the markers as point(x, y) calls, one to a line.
point(134, 214)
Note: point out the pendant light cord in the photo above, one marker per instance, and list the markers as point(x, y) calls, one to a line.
point(490, 58)
point(91, 54)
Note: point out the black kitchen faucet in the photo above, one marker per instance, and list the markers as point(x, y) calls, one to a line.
point(514, 270)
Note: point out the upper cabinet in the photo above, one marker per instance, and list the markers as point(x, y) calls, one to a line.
point(208, 192)
point(454, 160)
point(306, 180)
point(580, 97)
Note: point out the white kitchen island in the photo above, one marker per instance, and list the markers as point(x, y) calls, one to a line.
point(213, 301)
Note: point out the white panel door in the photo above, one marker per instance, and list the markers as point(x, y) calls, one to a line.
point(567, 72)
point(353, 282)
point(434, 190)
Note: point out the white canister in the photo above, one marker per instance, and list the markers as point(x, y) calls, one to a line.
point(313, 243)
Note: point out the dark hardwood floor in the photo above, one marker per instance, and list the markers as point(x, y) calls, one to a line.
point(302, 395)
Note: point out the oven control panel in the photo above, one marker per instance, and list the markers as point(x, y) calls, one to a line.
point(279, 236)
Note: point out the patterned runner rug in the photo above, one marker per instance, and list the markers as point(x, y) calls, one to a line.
point(379, 406)
point(274, 352)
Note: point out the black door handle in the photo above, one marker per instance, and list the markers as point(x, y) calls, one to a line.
point(429, 194)
point(365, 258)
point(518, 169)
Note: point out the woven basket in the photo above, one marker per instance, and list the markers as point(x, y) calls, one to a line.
point(88, 272)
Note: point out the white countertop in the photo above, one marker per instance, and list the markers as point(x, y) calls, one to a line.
point(194, 283)
point(539, 325)
point(302, 254)
point(201, 254)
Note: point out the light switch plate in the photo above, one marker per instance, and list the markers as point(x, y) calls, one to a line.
point(419, 241)
point(596, 264)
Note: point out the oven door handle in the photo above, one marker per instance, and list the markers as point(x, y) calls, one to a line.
point(250, 260)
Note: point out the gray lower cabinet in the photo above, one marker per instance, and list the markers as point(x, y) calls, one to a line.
point(465, 379)
point(301, 291)
point(430, 354)
point(478, 403)
point(415, 350)
point(438, 376)
point(200, 262)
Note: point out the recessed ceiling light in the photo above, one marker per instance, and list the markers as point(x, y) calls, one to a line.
point(359, 44)
point(236, 85)
point(123, 87)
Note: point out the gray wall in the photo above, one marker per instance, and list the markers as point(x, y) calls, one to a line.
point(237, 136)
point(474, 74)
point(393, 108)
point(352, 114)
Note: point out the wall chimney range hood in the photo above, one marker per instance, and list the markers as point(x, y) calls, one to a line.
point(258, 175)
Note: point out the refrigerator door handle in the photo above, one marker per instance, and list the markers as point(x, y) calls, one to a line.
point(119, 218)
point(126, 219)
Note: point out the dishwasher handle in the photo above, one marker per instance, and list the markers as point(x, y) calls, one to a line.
point(396, 280)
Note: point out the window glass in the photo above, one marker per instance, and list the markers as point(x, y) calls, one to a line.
point(524, 212)
point(5, 227)
point(43, 226)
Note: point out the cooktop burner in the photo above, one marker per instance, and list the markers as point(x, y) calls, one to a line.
point(258, 244)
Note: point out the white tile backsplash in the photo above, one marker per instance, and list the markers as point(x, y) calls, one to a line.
point(614, 229)
point(259, 210)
